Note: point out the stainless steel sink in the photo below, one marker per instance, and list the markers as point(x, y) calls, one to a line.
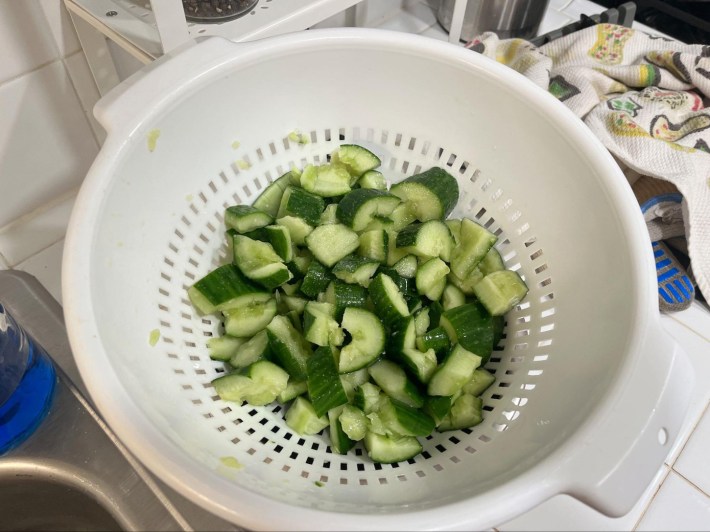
point(73, 473)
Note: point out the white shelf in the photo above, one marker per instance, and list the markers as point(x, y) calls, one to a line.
point(134, 27)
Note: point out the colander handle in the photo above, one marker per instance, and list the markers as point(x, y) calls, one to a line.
point(611, 473)
point(133, 101)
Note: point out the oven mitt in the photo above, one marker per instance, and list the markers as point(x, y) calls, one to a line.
point(646, 98)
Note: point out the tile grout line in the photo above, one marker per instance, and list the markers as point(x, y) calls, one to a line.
point(44, 248)
point(653, 497)
point(685, 443)
point(688, 327)
point(692, 484)
point(45, 207)
point(27, 72)
point(78, 98)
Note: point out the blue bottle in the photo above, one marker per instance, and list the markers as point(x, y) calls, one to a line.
point(27, 381)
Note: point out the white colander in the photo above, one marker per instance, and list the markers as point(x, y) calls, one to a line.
point(587, 380)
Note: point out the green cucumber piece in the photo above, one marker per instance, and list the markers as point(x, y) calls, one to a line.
point(492, 262)
point(431, 278)
point(324, 387)
point(288, 347)
point(249, 319)
point(466, 412)
point(302, 417)
point(259, 262)
point(326, 180)
point(407, 266)
point(359, 208)
point(402, 335)
point(302, 259)
point(319, 327)
point(270, 199)
point(421, 321)
point(402, 216)
point(438, 407)
point(454, 226)
point(330, 243)
point(259, 384)
point(436, 339)
point(223, 348)
point(268, 381)
point(467, 284)
point(367, 339)
point(452, 297)
point(394, 382)
point(293, 303)
point(256, 234)
point(429, 239)
point(480, 381)
point(223, 288)
point(500, 291)
point(245, 218)
point(330, 215)
point(373, 179)
point(432, 194)
point(352, 380)
point(387, 449)
point(387, 298)
point(344, 295)
point(471, 326)
point(298, 228)
point(374, 245)
point(253, 350)
point(353, 422)
point(476, 242)
point(356, 159)
point(340, 442)
point(302, 204)
point(234, 386)
point(316, 280)
point(394, 254)
point(355, 269)
point(367, 397)
point(378, 222)
point(454, 372)
point(280, 239)
point(293, 389)
point(403, 420)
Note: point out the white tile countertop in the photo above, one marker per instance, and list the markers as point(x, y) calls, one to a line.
point(679, 496)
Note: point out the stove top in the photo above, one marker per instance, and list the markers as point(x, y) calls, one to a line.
point(685, 20)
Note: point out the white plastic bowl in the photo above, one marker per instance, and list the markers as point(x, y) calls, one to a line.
point(586, 378)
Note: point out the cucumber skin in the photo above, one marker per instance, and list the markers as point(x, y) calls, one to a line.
point(409, 421)
point(353, 201)
point(226, 279)
point(476, 324)
point(384, 450)
point(439, 182)
point(316, 280)
point(324, 386)
point(296, 366)
point(387, 313)
point(302, 204)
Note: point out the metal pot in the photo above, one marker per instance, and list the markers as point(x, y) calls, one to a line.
point(507, 18)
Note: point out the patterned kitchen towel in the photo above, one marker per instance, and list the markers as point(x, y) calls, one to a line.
point(645, 97)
